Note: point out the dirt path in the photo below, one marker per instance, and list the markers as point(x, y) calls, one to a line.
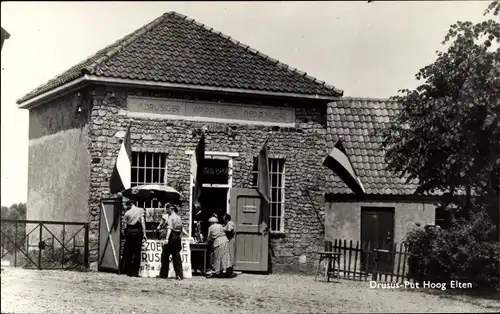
point(32, 291)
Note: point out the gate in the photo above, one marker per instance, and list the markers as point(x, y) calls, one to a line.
point(109, 236)
point(45, 244)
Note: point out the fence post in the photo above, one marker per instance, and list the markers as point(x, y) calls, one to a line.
point(63, 247)
point(86, 246)
point(40, 248)
point(15, 246)
point(3, 243)
point(375, 265)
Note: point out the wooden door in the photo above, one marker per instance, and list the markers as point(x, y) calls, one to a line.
point(377, 228)
point(252, 243)
point(109, 235)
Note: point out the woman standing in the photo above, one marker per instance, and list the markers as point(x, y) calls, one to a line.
point(230, 230)
point(218, 241)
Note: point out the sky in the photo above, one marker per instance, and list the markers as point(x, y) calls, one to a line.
point(365, 49)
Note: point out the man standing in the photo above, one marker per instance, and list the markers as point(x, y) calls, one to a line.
point(172, 244)
point(135, 233)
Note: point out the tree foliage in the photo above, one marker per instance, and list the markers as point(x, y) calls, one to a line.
point(440, 255)
point(15, 211)
point(446, 136)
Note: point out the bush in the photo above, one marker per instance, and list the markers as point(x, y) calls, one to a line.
point(72, 258)
point(468, 251)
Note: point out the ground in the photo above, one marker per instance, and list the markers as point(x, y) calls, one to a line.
point(51, 291)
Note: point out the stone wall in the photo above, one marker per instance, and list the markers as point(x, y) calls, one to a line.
point(303, 148)
point(59, 161)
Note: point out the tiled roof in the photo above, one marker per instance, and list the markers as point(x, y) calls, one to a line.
point(177, 49)
point(355, 120)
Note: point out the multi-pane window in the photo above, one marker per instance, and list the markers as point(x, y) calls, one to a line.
point(149, 168)
point(277, 184)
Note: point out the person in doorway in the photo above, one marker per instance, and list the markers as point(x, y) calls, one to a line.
point(230, 230)
point(135, 233)
point(172, 244)
point(218, 241)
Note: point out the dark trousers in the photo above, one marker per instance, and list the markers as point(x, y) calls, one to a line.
point(173, 247)
point(132, 252)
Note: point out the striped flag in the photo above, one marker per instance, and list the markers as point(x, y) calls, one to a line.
point(263, 186)
point(121, 176)
point(197, 167)
point(339, 162)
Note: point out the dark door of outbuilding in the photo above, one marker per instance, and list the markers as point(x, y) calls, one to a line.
point(377, 229)
point(252, 243)
point(109, 235)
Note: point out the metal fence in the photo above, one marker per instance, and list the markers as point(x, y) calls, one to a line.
point(45, 244)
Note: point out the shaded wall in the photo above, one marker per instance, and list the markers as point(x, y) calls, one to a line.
point(59, 162)
point(343, 220)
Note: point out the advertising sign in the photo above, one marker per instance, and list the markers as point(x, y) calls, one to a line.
point(151, 259)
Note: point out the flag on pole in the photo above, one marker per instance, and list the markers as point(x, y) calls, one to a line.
point(121, 176)
point(197, 167)
point(263, 186)
point(339, 162)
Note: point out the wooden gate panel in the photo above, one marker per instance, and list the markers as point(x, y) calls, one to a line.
point(109, 235)
point(252, 245)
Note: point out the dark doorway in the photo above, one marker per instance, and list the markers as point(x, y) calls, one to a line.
point(213, 201)
point(377, 228)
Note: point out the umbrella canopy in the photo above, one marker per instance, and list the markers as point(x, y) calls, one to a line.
point(162, 193)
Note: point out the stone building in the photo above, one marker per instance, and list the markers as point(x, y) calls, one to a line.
point(175, 76)
point(168, 80)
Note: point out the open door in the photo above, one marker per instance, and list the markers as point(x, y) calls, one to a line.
point(252, 245)
point(109, 235)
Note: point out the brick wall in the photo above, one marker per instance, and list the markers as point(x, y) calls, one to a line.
point(303, 147)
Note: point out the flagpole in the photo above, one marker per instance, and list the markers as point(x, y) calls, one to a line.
point(271, 134)
point(319, 168)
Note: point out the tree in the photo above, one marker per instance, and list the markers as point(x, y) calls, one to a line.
point(15, 211)
point(446, 137)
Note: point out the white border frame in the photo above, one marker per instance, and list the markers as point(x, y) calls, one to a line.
point(213, 155)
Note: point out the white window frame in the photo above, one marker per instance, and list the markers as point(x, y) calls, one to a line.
point(283, 202)
point(212, 155)
point(140, 155)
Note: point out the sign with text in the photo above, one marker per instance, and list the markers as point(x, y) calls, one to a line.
point(216, 171)
point(151, 259)
point(196, 109)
